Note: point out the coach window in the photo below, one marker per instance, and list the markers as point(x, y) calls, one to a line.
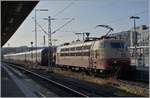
point(67, 49)
point(62, 49)
point(78, 54)
point(72, 54)
point(78, 48)
point(61, 54)
point(72, 49)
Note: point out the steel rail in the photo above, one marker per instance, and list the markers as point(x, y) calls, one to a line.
point(133, 83)
point(49, 80)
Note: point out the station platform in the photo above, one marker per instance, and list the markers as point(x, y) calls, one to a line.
point(16, 84)
point(8, 87)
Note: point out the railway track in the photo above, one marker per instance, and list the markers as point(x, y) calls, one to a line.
point(71, 91)
point(76, 88)
point(142, 85)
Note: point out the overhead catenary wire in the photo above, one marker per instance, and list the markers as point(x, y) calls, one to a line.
point(62, 26)
point(62, 10)
point(126, 17)
point(116, 20)
point(70, 4)
point(56, 29)
point(59, 12)
point(42, 28)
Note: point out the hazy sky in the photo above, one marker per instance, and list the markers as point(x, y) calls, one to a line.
point(87, 14)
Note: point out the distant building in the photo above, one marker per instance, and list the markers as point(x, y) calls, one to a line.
point(141, 36)
point(140, 39)
point(124, 35)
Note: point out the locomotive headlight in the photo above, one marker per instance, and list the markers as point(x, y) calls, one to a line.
point(115, 61)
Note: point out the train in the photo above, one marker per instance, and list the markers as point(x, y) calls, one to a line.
point(103, 55)
point(30, 56)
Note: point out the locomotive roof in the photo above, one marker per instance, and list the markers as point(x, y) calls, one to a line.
point(87, 43)
point(77, 44)
point(20, 53)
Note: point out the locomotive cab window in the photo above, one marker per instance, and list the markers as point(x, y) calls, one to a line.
point(125, 46)
point(116, 45)
point(104, 45)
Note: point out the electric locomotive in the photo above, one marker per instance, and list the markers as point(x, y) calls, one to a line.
point(106, 55)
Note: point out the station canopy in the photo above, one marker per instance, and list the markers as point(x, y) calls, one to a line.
point(13, 13)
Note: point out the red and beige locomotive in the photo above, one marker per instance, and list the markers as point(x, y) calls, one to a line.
point(106, 54)
point(103, 55)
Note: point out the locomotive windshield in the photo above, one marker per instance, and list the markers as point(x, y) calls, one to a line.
point(113, 45)
point(117, 45)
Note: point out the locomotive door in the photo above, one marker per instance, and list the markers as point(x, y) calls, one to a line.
point(93, 61)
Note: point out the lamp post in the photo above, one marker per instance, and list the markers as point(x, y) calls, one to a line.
point(31, 51)
point(134, 43)
point(50, 44)
point(134, 35)
point(43, 40)
point(36, 30)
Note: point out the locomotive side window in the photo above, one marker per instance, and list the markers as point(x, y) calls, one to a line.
point(125, 46)
point(75, 54)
